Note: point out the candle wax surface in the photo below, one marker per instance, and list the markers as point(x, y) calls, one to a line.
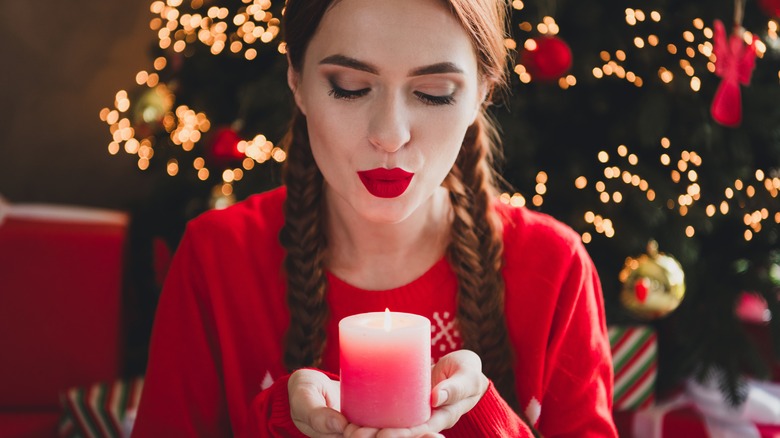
point(385, 374)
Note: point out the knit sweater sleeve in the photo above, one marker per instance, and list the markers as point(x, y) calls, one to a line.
point(578, 371)
point(183, 395)
point(492, 416)
point(269, 414)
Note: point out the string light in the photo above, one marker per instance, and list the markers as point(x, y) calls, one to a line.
point(216, 27)
point(665, 75)
point(515, 199)
point(541, 189)
point(548, 26)
point(172, 167)
point(686, 174)
point(567, 81)
point(240, 30)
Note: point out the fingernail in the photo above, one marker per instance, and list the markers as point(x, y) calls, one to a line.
point(334, 425)
point(441, 397)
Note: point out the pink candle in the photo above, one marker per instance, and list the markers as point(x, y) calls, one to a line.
point(385, 369)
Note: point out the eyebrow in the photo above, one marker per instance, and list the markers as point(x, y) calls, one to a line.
point(346, 61)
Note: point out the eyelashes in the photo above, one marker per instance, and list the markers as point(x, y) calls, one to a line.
point(435, 100)
point(340, 93)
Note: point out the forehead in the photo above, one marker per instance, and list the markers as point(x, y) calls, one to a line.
point(391, 34)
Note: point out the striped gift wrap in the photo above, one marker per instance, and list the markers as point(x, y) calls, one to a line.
point(634, 359)
point(98, 410)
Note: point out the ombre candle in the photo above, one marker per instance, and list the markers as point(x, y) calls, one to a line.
point(385, 360)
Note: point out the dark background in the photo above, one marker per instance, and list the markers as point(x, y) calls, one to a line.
point(61, 63)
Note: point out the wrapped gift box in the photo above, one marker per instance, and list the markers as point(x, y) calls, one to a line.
point(681, 418)
point(634, 358)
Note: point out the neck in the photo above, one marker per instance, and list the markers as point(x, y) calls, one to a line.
point(380, 256)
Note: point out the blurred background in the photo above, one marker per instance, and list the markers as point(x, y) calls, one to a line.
point(652, 128)
point(63, 62)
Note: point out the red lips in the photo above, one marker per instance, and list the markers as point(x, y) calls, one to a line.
point(386, 183)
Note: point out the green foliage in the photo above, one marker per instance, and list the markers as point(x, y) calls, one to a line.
point(561, 132)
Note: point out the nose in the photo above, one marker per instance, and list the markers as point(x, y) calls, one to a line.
point(389, 128)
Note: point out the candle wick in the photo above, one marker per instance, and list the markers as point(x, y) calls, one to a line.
point(388, 320)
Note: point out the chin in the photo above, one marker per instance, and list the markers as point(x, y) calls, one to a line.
point(386, 211)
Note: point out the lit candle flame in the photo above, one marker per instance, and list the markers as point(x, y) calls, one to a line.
point(388, 321)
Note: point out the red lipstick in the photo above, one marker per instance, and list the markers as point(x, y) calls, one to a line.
point(386, 183)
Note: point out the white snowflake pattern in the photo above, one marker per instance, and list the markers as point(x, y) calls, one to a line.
point(444, 335)
point(533, 410)
point(267, 381)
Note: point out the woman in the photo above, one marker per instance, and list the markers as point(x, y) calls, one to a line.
point(389, 202)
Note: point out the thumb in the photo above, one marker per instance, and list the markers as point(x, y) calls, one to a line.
point(327, 420)
point(448, 391)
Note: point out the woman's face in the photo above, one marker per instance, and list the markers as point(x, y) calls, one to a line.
point(388, 89)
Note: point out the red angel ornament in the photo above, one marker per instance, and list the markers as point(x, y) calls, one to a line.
point(734, 63)
point(224, 147)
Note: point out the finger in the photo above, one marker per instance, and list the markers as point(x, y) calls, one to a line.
point(407, 433)
point(440, 396)
point(355, 431)
point(454, 364)
point(442, 418)
point(326, 420)
point(310, 407)
point(457, 388)
point(349, 431)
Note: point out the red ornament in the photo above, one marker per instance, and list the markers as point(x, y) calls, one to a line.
point(734, 64)
point(752, 307)
point(770, 7)
point(224, 147)
point(641, 287)
point(546, 58)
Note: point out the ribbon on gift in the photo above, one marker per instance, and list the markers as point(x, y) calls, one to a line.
point(648, 423)
point(703, 412)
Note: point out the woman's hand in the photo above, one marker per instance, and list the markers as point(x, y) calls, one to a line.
point(315, 403)
point(458, 384)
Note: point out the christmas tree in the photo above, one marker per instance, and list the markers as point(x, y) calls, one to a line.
point(632, 124)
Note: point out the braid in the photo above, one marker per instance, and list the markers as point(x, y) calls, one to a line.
point(475, 253)
point(304, 240)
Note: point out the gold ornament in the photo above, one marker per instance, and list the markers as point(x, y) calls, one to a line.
point(152, 104)
point(653, 284)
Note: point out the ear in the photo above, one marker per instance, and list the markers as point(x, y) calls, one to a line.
point(484, 93)
point(294, 82)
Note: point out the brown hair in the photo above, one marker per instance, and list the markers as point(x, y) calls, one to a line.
point(476, 247)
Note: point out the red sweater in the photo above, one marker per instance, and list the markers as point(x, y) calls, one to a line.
point(215, 364)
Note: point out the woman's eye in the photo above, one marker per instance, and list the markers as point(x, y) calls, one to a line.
point(340, 93)
point(435, 100)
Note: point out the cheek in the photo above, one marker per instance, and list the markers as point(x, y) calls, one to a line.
point(446, 132)
point(332, 138)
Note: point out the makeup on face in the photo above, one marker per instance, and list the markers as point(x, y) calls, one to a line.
point(435, 83)
point(386, 183)
point(388, 91)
